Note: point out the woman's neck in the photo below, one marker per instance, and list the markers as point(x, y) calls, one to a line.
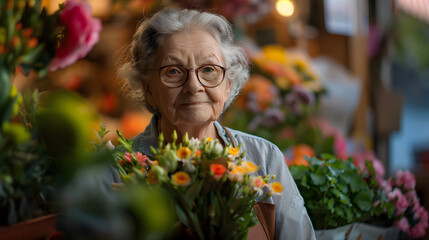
point(194, 131)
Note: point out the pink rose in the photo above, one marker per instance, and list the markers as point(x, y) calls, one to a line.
point(82, 33)
point(417, 231)
point(401, 202)
point(405, 178)
point(403, 224)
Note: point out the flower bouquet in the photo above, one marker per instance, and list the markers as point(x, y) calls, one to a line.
point(282, 92)
point(211, 186)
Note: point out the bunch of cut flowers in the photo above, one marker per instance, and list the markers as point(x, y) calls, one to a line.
point(212, 187)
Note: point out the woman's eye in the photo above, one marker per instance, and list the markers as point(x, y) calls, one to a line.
point(173, 71)
point(208, 69)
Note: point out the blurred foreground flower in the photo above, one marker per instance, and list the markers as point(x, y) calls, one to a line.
point(35, 142)
point(82, 33)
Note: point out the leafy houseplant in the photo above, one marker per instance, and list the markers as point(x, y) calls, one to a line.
point(336, 194)
point(211, 186)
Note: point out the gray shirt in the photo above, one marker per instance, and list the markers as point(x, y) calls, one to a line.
point(292, 220)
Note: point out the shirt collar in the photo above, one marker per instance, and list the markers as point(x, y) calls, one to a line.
point(149, 137)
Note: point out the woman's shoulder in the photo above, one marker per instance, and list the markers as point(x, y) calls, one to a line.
point(249, 139)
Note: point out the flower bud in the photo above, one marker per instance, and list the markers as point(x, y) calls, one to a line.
point(168, 160)
point(174, 136)
point(186, 139)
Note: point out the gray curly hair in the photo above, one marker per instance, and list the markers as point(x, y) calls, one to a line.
point(151, 33)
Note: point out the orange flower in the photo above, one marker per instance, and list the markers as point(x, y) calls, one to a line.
point(262, 87)
point(198, 153)
point(249, 166)
point(218, 170)
point(183, 152)
point(277, 187)
point(181, 179)
point(303, 150)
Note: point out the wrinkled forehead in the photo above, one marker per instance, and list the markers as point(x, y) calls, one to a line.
point(189, 47)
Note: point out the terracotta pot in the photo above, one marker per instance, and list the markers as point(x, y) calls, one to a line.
point(34, 229)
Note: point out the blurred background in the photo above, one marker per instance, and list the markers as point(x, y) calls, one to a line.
point(369, 61)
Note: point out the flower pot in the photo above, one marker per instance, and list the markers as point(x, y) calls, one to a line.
point(38, 228)
point(356, 231)
point(334, 234)
point(367, 231)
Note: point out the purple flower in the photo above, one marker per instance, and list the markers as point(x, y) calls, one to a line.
point(272, 117)
point(299, 97)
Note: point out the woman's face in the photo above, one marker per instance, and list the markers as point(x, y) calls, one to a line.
point(191, 103)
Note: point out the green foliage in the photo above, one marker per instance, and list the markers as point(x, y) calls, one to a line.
point(410, 39)
point(336, 193)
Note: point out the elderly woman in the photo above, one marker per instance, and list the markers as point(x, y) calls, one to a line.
point(186, 68)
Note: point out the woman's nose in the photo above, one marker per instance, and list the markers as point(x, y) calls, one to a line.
point(193, 85)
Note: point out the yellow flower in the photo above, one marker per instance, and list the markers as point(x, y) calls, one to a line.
point(249, 166)
point(237, 169)
point(233, 151)
point(181, 179)
point(209, 139)
point(183, 152)
point(277, 187)
point(275, 53)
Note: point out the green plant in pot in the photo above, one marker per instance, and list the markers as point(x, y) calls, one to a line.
point(336, 193)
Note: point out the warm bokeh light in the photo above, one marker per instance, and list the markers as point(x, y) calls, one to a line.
point(285, 8)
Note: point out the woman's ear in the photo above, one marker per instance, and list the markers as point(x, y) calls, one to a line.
point(228, 86)
point(147, 93)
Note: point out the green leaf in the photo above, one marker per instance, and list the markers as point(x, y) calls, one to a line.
point(5, 83)
point(344, 199)
point(356, 183)
point(318, 179)
point(181, 215)
point(363, 200)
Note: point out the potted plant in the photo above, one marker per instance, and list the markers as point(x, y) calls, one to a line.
point(350, 199)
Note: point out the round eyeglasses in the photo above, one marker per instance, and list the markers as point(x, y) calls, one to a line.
point(209, 75)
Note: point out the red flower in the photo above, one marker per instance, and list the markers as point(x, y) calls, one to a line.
point(218, 170)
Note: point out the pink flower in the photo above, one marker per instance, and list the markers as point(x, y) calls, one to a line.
point(421, 214)
point(360, 158)
point(417, 231)
point(141, 158)
point(401, 202)
point(82, 33)
point(403, 224)
point(128, 157)
point(340, 145)
point(412, 197)
point(405, 178)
